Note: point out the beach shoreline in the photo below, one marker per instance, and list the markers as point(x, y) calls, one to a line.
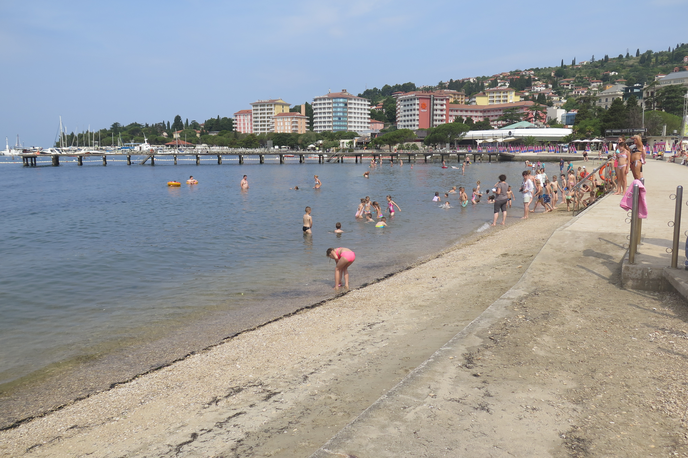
point(383, 330)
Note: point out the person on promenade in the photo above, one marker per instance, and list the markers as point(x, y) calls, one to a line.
point(637, 157)
point(501, 190)
point(390, 206)
point(527, 188)
point(554, 191)
point(244, 183)
point(622, 154)
point(307, 221)
point(318, 183)
point(585, 155)
point(344, 258)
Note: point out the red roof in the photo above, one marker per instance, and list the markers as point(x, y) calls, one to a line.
point(290, 115)
point(241, 112)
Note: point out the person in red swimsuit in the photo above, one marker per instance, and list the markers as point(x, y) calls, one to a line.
point(344, 257)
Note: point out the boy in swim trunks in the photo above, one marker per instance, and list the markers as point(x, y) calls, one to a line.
point(307, 221)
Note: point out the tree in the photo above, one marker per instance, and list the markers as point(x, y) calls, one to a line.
point(178, 124)
point(634, 117)
point(390, 108)
point(511, 115)
point(562, 63)
point(446, 133)
point(482, 125)
point(573, 62)
point(539, 112)
point(637, 52)
point(394, 137)
point(186, 124)
point(615, 117)
point(671, 98)
point(656, 120)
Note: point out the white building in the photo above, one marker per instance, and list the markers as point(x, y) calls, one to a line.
point(341, 111)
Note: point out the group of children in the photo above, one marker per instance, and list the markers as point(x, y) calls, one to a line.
point(366, 208)
point(476, 195)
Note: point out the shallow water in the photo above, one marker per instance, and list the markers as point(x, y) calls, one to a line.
point(96, 259)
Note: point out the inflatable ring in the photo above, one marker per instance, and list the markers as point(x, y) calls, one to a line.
point(173, 183)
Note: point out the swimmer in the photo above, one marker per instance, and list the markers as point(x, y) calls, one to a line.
point(369, 217)
point(366, 174)
point(338, 228)
point(437, 197)
point(382, 222)
point(244, 183)
point(463, 197)
point(344, 258)
point(452, 190)
point(295, 188)
point(445, 205)
point(377, 209)
point(307, 221)
point(192, 180)
point(318, 183)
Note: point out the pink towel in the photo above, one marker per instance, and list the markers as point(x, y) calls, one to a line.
point(627, 199)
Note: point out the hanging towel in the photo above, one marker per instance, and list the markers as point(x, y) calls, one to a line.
point(627, 199)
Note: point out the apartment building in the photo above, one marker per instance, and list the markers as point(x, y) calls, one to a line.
point(263, 114)
point(243, 121)
point(341, 111)
point(497, 95)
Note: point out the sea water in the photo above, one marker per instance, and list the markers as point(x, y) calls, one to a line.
point(104, 260)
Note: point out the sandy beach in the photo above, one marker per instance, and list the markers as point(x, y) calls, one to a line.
point(286, 387)
point(557, 371)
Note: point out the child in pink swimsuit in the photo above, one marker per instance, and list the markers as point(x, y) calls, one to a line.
point(344, 257)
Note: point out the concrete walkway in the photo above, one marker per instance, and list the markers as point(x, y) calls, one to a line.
point(486, 393)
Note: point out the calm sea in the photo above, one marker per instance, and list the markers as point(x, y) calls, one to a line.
point(111, 264)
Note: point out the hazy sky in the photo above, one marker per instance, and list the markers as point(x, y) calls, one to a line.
point(95, 63)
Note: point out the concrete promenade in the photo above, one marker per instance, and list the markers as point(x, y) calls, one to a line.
point(566, 363)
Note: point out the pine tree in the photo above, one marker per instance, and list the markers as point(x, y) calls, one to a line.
point(186, 124)
point(573, 62)
point(627, 55)
point(562, 63)
point(593, 58)
point(637, 52)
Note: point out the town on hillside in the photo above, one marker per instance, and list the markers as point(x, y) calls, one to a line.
point(641, 93)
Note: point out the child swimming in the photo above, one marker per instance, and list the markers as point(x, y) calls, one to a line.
point(382, 222)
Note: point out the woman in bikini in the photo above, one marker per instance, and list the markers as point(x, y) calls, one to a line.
point(344, 258)
point(637, 157)
point(622, 154)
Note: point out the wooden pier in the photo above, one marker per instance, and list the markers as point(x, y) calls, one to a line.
point(359, 156)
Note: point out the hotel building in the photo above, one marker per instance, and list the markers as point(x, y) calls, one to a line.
point(290, 123)
point(490, 112)
point(422, 110)
point(264, 112)
point(243, 121)
point(341, 111)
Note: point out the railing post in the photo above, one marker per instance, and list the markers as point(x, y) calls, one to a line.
point(633, 245)
point(677, 226)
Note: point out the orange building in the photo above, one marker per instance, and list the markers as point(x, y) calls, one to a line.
point(290, 123)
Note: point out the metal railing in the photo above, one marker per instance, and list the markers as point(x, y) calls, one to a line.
point(676, 224)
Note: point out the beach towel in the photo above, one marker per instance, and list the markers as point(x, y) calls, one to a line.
point(627, 199)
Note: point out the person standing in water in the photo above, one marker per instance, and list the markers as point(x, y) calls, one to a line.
point(318, 183)
point(344, 258)
point(244, 183)
point(307, 221)
point(390, 206)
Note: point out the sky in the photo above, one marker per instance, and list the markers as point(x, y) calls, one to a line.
point(96, 63)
